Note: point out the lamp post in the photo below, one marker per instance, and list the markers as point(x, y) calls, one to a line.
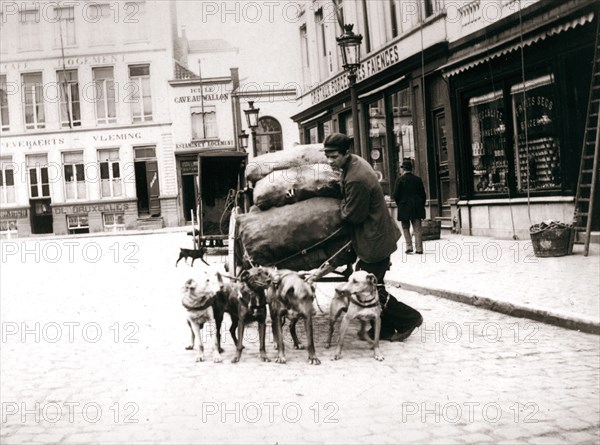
point(243, 140)
point(350, 47)
point(252, 122)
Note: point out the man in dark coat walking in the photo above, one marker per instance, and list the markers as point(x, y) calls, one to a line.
point(409, 194)
point(373, 231)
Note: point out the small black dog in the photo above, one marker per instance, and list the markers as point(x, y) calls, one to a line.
point(192, 253)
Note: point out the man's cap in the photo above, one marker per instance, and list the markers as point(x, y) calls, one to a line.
point(336, 142)
point(407, 165)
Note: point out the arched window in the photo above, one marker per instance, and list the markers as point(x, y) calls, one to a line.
point(268, 136)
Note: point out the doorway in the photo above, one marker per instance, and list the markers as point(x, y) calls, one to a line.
point(442, 171)
point(146, 182)
point(41, 216)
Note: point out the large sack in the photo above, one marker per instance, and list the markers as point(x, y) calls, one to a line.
point(262, 165)
point(280, 232)
point(295, 184)
point(316, 257)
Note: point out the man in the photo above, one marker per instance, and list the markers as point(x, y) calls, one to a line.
point(409, 194)
point(374, 233)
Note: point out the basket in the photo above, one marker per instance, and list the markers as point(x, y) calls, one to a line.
point(431, 229)
point(551, 241)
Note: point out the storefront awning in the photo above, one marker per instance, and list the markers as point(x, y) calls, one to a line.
point(508, 45)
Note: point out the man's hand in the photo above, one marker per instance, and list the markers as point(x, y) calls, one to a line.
point(314, 274)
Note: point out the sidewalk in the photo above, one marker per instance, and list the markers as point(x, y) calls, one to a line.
point(501, 275)
point(505, 276)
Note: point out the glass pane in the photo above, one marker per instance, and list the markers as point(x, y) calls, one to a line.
point(538, 153)
point(69, 173)
point(104, 170)
point(378, 139)
point(32, 176)
point(80, 172)
point(117, 188)
point(404, 139)
point(488, 143)
point(105, 187)
point(10, 177)
point(139, 70)
point(116, 170)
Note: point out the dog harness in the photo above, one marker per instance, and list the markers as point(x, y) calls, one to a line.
point(371, 303)
point(202, 307)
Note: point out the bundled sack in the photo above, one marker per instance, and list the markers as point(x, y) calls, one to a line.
point(280, 232)
point(262, 165)
point(294, 184)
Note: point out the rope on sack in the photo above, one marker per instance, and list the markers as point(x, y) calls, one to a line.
point(304, 251)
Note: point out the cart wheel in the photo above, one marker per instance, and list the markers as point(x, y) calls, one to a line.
point(232, 244)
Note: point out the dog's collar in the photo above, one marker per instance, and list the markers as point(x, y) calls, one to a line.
point(371, 303)
point(202, 307)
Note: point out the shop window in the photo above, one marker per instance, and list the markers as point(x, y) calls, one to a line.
point(104, 83)
point(64, 34)
point(8, 228)
point(404, 137)
point(113, 222)
point(488, 143)
point(70, 113)
point(33, 100)
point(39, 186)
point(78, 224)
point(139, 93)
point(537, 158)
point(204, 122)
point(268, 136)
point(378, 140)
point(74, 171)
point(7, 181)
point(4, 120)
point(111, 184)
point(313, 135)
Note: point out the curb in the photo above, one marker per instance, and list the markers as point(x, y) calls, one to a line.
point(514, 310)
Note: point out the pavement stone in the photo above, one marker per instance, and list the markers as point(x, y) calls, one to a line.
point(150, 389)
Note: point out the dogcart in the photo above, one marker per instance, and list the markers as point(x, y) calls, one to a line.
point(288, 216)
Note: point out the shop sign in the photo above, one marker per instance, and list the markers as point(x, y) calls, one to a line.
point(204, 144)
point(223, 97)
point(77, 209)
point(117, 137)
point(16, 213)
point(371, 66)
point(90, 60)
point(189, 167)
point(33, 143)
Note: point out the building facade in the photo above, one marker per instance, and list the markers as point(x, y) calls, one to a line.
point(108, 120)
point(487, 98)
point(86, 133)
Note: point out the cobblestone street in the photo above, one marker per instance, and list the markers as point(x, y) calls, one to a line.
point(93, 351)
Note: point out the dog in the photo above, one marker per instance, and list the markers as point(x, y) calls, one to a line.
point(358, 298)
point(197, 299)
point(291, 297)
point(194, 254)
point(249, 306)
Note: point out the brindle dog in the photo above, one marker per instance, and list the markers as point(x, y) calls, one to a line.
point(252, 307)
point(291, 297)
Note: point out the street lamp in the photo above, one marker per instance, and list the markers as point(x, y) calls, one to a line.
point(243, 140)
point(252, 121)
point(350, 47)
